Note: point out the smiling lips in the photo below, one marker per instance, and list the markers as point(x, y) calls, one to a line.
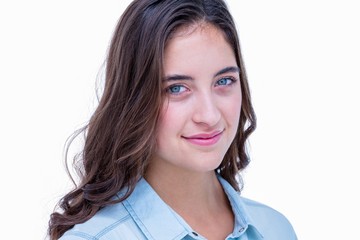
point(204, 139)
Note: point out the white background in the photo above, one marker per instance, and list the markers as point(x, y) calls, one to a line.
point(302, 59)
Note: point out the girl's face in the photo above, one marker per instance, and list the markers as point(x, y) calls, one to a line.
point(201, 111)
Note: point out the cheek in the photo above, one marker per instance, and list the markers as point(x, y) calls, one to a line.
point(170, 119)
point(233, 109)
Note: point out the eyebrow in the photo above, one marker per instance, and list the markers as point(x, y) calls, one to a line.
point(177, 77)
point(228, 70)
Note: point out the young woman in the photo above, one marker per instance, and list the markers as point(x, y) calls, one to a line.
point(166, 143)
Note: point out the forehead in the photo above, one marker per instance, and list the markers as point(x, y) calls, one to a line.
point(198, 47)
point(201, 27)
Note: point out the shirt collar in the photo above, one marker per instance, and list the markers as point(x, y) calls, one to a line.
point(243, 220)
point(157, 220)
point(153, 216)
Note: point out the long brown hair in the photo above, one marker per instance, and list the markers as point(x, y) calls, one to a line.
point(120, 136)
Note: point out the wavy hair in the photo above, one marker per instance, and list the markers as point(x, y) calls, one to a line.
point(120, 136)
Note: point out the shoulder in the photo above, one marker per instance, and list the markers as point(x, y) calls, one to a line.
point(269, 221)
point(111, 222)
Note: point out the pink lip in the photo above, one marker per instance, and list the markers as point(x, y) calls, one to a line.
point(204, 139)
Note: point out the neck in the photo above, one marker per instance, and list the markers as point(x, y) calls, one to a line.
point(197, 197)
point(186, 191)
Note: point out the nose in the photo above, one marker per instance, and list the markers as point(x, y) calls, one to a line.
point(206, 111)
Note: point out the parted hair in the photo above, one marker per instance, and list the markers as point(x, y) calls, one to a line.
point(120, 136)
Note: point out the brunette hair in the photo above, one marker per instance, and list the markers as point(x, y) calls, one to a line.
point(120, 136)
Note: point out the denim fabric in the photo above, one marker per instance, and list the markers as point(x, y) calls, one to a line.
point(143, 215)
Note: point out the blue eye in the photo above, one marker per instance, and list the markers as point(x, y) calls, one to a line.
point(176, 89)
point(224, 81)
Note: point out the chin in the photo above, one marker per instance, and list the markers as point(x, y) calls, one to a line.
point(208, 164)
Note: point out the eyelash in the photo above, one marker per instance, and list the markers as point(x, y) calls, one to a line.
point(168, 89)
point(231, 79)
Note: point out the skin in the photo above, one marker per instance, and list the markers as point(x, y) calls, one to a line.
point(198, 123)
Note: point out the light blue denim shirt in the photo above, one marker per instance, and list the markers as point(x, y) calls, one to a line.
point(143, 215)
